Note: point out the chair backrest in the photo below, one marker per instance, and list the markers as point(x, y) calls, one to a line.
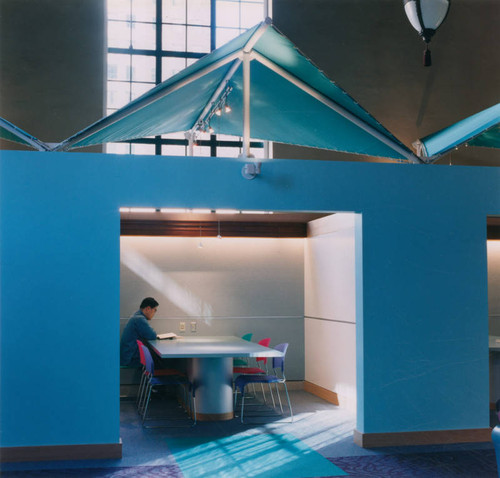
point(264, 343)
point(150, 368)
point(247, 337)
point(279, 362)
point(141, 353)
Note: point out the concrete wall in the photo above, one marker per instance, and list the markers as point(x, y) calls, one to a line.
point(370, 49)
point(230, 286)
point(330, 306)
point(52, 66)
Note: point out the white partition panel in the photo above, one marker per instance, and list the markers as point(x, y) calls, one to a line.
point(330, 307)
point(494, 286)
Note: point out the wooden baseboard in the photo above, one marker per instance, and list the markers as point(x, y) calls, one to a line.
point(321, 392)
point(210, 417)
point(60, 452)
point(435, 437)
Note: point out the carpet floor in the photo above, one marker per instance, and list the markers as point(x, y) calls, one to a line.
point(318, 443)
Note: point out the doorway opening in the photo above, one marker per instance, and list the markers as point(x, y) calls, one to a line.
point(493, 253)
point(291, 276)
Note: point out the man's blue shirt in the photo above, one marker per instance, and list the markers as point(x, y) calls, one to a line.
point(137, 328)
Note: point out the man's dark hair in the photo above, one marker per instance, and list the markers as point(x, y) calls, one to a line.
point(148, 302)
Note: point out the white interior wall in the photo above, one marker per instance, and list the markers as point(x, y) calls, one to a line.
point(493, 248)
point(330, 306)
point(230, 286)
point(494, 286)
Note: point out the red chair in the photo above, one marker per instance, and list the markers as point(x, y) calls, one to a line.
point(160, 372)
point(255, 370)
point(249, 370)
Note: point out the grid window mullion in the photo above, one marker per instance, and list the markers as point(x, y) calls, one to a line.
point(142, 29)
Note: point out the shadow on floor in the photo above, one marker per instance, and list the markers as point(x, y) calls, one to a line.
point(320, 430)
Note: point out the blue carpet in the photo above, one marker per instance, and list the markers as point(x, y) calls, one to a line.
point(120, 472)
point(243, 455)
point(464, 463)
point(479, 463)
point(320, 429)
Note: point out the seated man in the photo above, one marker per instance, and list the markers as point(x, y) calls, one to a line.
point(137, 328)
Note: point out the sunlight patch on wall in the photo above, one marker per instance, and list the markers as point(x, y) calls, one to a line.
point(183, 298)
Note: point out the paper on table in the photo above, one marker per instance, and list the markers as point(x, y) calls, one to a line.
point(169, 335)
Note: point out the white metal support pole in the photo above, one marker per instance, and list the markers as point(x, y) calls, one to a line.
point(246, 104)
point(268, 8)
point(133, 108)
point(336, 107)
point(190, 138)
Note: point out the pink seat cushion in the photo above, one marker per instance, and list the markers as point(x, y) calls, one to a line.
point(248, 370)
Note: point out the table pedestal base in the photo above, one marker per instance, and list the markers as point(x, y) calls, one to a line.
point(214, 417)
point(213, 379)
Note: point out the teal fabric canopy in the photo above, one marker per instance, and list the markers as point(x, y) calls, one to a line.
point(481, 129)
point(275, 93)
point(10, 132)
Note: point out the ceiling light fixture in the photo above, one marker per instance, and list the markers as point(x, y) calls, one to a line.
point(227, 211)
point(173, 210)
point(426, 16)
point(142, 209)
point(257, 212)
point(217, 107)
point(201, 211)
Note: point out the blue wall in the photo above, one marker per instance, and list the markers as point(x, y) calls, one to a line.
point(422, 329)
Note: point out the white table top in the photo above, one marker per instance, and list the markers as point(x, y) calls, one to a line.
point(211, 346)
point(494, 342)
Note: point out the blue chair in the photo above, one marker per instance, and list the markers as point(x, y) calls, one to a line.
point(253, 370)
point(157, 373)
point(153, 381)
point(495, 438)
point(278, 378)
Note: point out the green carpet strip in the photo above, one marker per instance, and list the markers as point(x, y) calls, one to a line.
point(243, 455)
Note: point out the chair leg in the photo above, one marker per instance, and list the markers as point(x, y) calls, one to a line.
point(141, 389)
point(242, 403)
point(141, 398)
point(289, 404)
point(193, 401)
point(145, 395)
point(263, 393)
point(279, 398)
point(146, 405)
point(272, 395)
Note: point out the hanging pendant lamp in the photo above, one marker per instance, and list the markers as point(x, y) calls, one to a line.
point(426, 16)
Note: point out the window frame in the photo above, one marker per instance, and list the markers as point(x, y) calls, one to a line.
point(212, 143)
